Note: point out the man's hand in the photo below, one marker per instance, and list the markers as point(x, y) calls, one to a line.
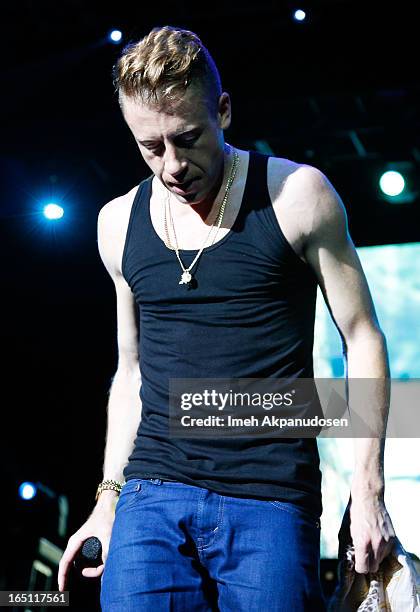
point(99, 524)
point(371, 530)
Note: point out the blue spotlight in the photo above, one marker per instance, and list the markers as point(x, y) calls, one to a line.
point(299, 15)
point(53, 211)
point(115, 36)
point(27, 490)
point(392, 183)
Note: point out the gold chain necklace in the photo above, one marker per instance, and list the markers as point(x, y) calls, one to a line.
point(186, 276)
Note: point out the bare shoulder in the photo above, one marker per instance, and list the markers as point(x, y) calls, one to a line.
point(304, 201)
point(113, 219)
point(117, 210)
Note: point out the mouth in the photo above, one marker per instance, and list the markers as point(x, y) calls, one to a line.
point(181, 188)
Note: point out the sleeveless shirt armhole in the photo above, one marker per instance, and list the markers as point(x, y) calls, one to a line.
point(273, 225)
point(136, 203)
point(274, 222)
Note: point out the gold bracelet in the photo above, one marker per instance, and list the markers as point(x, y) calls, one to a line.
point(112, 485)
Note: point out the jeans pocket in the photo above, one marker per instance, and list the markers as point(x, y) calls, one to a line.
point(297, 511)
point(131, 491)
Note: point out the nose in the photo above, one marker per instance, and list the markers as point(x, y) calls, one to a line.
point(175, 164)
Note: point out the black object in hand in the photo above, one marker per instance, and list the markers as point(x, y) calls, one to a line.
point(90, 554)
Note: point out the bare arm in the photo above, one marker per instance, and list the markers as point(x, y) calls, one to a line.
point(330, 252)
point(124, 407)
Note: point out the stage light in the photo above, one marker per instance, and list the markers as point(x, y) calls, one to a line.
point(45, 495)
point(299, 15)
point(53, 211)
point(115, 36)
point(392, 183)
point(27, 490)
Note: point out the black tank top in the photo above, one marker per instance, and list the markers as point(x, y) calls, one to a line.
point(251, 315)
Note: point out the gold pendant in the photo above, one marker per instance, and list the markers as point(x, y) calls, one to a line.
point(185, 278)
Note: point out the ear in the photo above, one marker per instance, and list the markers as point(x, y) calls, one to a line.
point(224, 114)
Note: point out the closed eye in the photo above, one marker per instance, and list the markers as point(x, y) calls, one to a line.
point(182, 141)
point(187, 141)
point(154, 147)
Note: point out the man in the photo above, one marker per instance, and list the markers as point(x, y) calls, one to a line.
point(216, 260)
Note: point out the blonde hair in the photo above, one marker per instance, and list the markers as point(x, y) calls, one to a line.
point(160, 67)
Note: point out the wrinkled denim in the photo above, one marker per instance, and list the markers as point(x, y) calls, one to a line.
point(178, 547)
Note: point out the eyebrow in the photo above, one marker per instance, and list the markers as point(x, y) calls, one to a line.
point(178, 135)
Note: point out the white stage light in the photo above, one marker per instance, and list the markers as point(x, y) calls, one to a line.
point(27, 490)
point(392, 183)
point(299, 15)
point(53, 211)
point(115, 36)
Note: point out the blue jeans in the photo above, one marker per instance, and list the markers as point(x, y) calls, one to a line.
point(183, 548)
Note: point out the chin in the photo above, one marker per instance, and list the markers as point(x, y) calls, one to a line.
point(190, 198)
point(194, 198)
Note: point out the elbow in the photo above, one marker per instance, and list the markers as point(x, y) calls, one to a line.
point(128, 369)
point(368, 349)
point(366, 336)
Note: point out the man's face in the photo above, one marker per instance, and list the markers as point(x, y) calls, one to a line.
point(183, 145)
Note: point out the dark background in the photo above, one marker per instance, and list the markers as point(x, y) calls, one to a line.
point(339, 91)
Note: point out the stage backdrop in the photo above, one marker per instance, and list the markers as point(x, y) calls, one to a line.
point(393, 273)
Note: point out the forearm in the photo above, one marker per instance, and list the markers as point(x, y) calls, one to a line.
point(124, 414)
point(368, 377)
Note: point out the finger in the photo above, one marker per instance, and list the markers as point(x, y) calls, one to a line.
point(105, 552)
point(362, 560)
point(66, 560)
point(93, 572)
point(380, 552)
point(378, 549)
